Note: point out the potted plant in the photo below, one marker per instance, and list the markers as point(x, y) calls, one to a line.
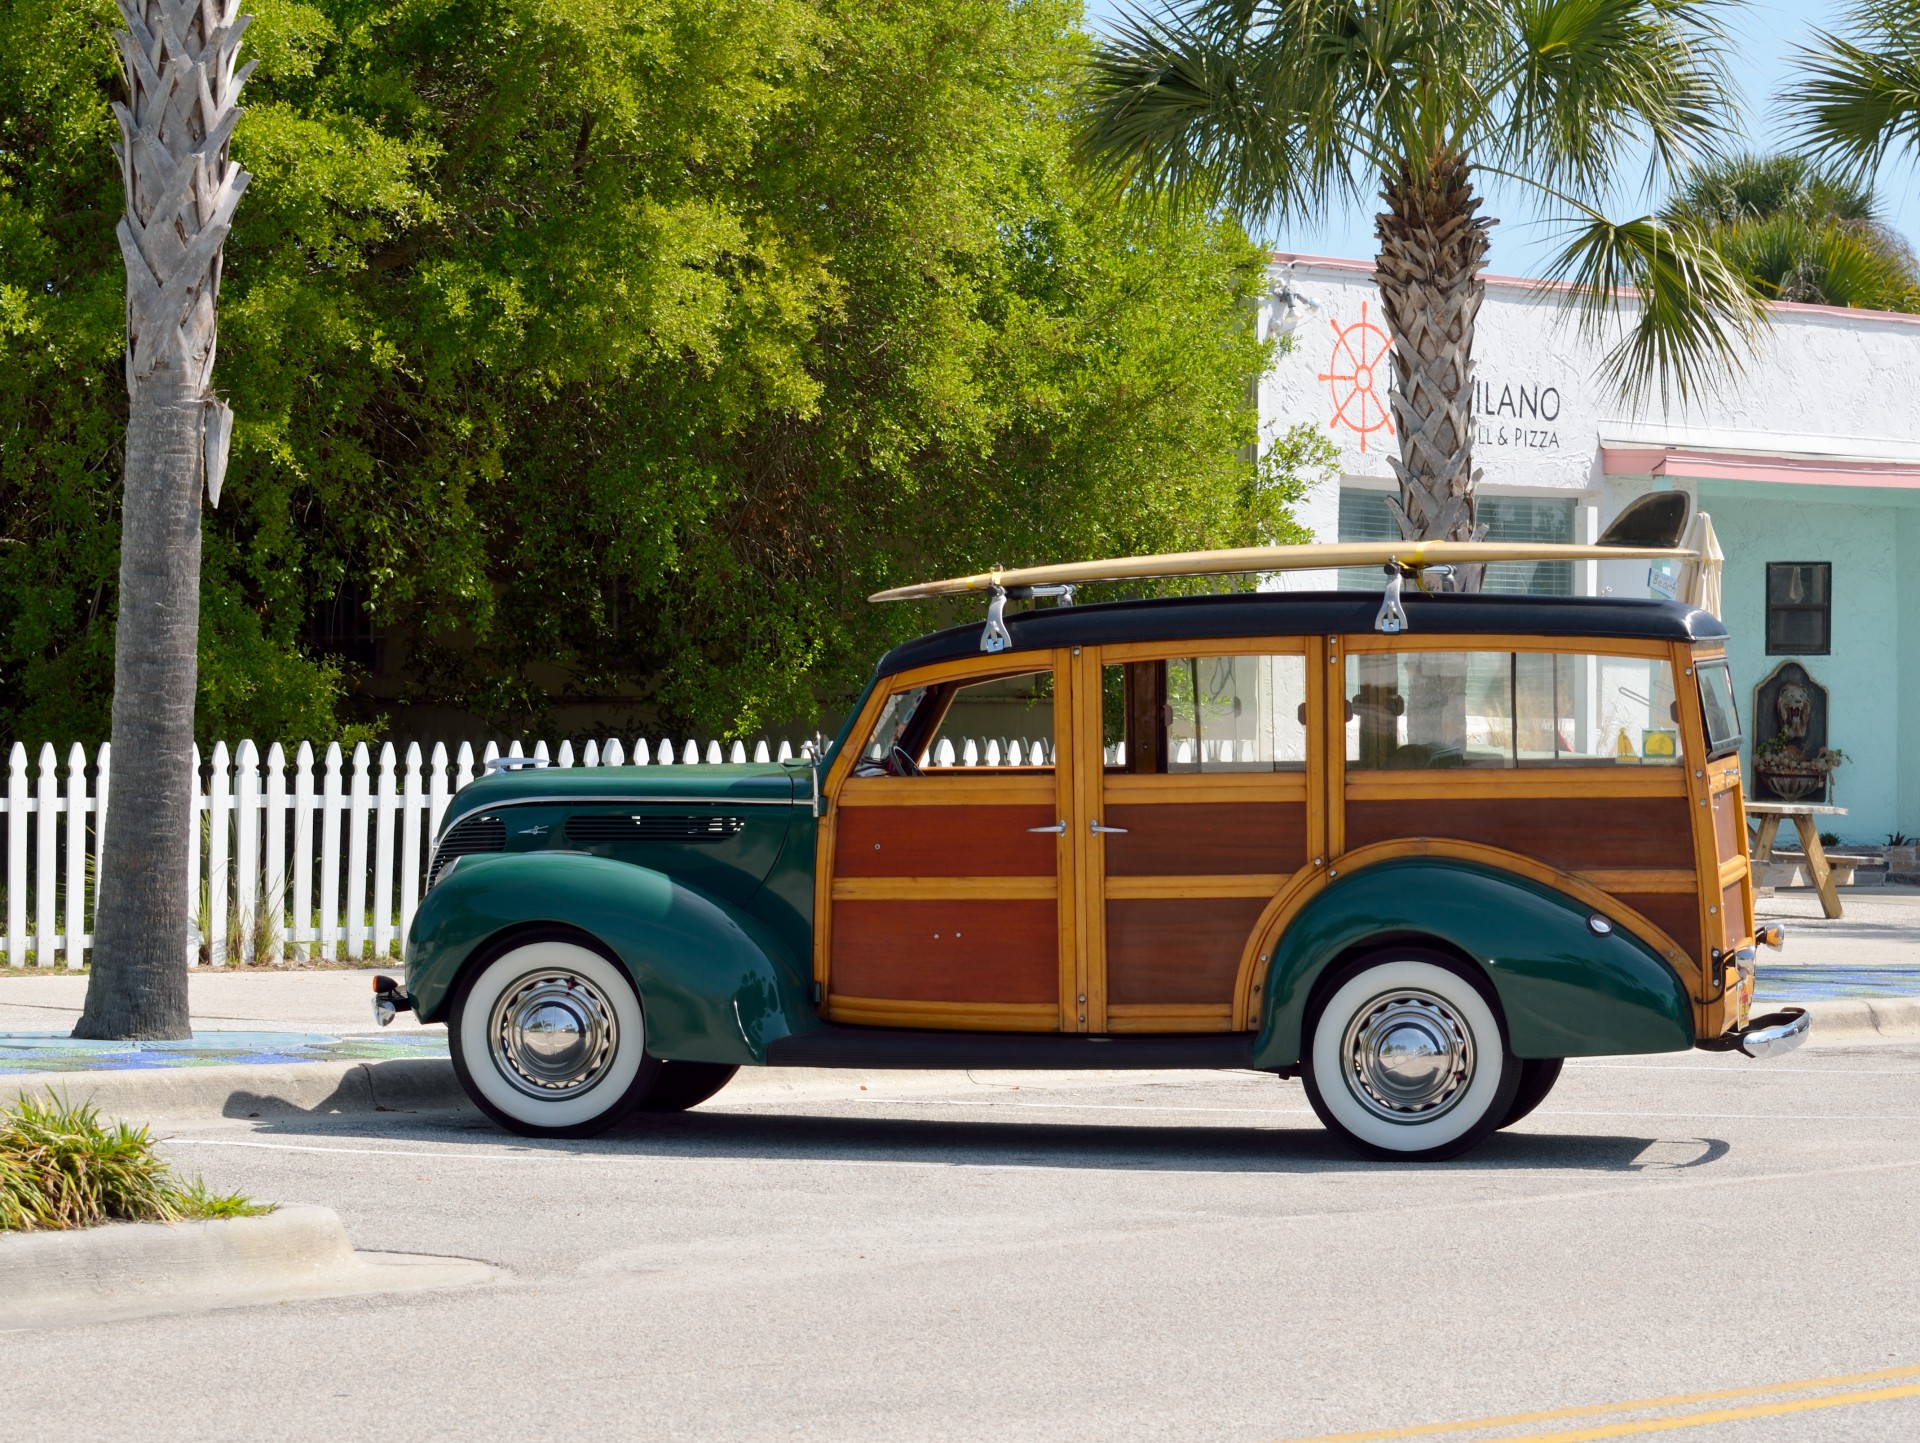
point(1790, 774)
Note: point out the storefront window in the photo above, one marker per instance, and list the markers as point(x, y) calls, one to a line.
point(1365, 516)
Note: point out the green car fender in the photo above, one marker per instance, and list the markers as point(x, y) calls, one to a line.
point(716, 984)
point(1566, 989)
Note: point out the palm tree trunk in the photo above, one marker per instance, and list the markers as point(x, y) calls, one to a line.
point(1432, 248)
point(142, 930)
point(178, 58)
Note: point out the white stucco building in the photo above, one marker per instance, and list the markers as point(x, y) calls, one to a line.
point(1807, 459)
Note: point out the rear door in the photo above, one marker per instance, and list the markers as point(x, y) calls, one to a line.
point(1205, 809)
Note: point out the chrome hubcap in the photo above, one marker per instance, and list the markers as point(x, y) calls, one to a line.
point(1409, 1056)
point(552, 1034)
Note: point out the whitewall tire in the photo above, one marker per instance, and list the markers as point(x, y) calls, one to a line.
point(1406, 1059)
point(549, 1039)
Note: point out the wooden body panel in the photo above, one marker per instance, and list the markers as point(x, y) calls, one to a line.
point(945, 841)
point(1207, 837)
point(947, 950)
point(1177, 951)
point(1590, 834)
point(1675, 913)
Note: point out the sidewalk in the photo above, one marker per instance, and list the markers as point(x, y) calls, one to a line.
point(256, 1016)
point(1871, 951)
point(272, 1017)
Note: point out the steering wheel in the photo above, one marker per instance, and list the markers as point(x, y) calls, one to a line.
point(902, 763)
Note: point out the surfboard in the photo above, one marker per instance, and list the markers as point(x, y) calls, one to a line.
point(1411, 556)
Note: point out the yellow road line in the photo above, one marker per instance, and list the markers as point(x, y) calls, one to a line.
point(1723, 1415)
point(1678, 1400)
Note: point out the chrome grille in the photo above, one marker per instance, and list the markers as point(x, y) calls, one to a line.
point(480, 833)
point(653, 827)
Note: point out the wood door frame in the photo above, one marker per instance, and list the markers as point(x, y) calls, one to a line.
point(1101, 790)
point(1011, 786)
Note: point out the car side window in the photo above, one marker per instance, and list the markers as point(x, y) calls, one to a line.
point(998, 722)
point(1207, 714)
point(1503, 709)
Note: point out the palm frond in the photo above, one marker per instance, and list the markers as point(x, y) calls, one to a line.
point(1697, 313)
point(1857, 100)
point(1592, 78)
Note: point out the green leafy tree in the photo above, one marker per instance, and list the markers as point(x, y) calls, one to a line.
point(1275, 111)
point(1799, 233)
point(617, 353)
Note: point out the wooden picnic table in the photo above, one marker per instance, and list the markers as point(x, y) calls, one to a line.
point(1771, 815)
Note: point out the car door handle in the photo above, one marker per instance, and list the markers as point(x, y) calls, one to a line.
point(1101, 830)
point(1058, 829)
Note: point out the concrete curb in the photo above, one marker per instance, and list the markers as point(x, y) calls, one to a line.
point(422, 1084)
point(1861, 1019)
point(126, 1270)
point(401, 1084)
point(319, 1089)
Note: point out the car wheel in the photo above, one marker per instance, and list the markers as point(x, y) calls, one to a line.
point(682, 1085)
point(1406, 1060)
point(549, 1040)
point(1537, 1077)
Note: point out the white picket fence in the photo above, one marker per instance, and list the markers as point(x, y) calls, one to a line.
point(310, 858)
point(304, 859)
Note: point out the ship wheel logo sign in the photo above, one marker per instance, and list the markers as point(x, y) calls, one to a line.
point(1358, 351)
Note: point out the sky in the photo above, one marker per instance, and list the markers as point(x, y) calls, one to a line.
point(1765, 33)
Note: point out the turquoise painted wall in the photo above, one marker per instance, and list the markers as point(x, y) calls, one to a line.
point(1908, 623)
point(1873, 675)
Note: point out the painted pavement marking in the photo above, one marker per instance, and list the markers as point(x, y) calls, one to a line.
point(1704, 1417)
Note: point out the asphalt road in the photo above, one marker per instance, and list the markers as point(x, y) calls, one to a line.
point(1164, 1257)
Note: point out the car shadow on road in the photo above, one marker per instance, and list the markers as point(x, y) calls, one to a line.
point(813, 1137)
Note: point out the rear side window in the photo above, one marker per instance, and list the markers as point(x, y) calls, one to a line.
point(1717, 706)
point(1420, 710)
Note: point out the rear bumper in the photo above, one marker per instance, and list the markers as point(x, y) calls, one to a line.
point(1773, 1035)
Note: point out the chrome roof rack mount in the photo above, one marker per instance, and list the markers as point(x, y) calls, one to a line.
point(1392, 618)
point(995, 637)
point(513, 763)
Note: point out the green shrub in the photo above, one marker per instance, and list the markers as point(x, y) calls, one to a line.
point(62, 1167)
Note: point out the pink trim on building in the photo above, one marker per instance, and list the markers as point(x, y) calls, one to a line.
point(1677, 464)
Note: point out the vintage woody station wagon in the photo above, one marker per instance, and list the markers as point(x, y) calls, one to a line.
point(1412, 852)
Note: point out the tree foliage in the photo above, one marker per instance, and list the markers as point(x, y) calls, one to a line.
point(615, 350)
point(1277, 110)
point(1799, 232)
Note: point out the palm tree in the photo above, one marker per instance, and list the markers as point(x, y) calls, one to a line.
point(1277, 110)
point(178, 59)
point(1799, 232)
point(1856, 103)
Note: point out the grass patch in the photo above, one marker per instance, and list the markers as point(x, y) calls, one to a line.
point(62, 1167)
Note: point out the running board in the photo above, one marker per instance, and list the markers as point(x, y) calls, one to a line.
point(888, 1047)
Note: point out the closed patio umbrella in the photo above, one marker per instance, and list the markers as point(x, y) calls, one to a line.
point(1703, 576)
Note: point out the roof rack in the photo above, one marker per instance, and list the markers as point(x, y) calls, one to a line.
point(1400, 560)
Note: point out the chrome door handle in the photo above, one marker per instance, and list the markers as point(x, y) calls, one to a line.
point(1059, 829)
point(1100, 830)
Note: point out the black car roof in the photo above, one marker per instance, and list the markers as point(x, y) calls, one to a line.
point(1313, 613)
